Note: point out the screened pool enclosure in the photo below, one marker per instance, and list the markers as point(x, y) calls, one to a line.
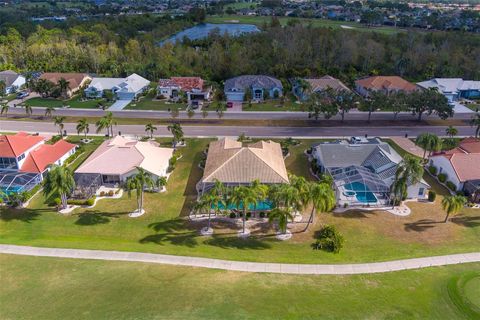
point(14, 182)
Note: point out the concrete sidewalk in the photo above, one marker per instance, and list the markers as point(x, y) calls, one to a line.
point(318, 269)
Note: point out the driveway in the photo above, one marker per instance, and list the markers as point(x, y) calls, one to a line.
point(16, 102)
point(460, 108)
point(119, 105)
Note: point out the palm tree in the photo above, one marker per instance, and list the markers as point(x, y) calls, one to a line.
point(286, 196)
point(49, 111)
point(63, 85)
point(59, 180)
point(150, 128)
point(28, 110)
point(409, 171)
point(177, 132)
point(260, 189)
point(58, 121)
point(83, 126)
point(106, 123)
point(5, 109)
point(429, 142)
point(244, 197)
point(322, 197)
point(475, 122)
point(451, 131)
point(3, 87)
point(452, 205)
point(282, 216)
point(139, 182)
point(160, 183)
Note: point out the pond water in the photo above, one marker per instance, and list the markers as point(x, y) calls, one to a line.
point(202, 31)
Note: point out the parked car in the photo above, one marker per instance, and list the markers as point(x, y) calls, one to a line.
point(229, 104)
point(22, 94)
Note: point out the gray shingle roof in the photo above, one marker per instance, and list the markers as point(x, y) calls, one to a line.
point(8, 77)
point(247, 81)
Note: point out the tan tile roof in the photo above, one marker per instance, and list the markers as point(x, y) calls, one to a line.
point(466, 166)
point(386, 83)
point(230, 162)
point(75, 79)
point(326, 82)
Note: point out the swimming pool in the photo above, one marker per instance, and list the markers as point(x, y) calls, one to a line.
point(261, 205)
point(362, 193)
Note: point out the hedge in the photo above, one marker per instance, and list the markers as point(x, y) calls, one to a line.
point(442, 177)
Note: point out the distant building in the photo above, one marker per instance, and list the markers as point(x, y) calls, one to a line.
point(384, 84)
point(75, 80)
point(260, 87)
point(193, 87)
point(454, 88)
point(318, 85)
point(13, 81)
point(127, 88)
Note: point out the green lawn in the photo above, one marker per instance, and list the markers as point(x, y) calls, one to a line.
point(274, 105)
point(324, 23)
point(371, 236)
point(473, 106)
point(147, 103)
point(74, 103)
point(50, 288)
point(241, 5)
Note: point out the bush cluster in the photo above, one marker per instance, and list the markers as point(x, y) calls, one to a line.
point(433, 170)
point(450, 185)
point(442, 177)
point(329, 239)
point(432, 195)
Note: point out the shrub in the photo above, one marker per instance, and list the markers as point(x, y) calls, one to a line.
point(102, 193)
point(442, 177)
point(345, 205)
point(57, 201)
point(262, 214)
point(232, 215)
point(432, 195)
point(249, 214)
point(90, 202)
point(432, 170)
point(451, 186)
point(329, 239)
point(110, 193)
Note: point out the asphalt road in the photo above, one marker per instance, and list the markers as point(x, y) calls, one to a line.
point(215, 131)
point(272, 115)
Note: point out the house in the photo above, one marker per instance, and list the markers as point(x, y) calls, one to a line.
point(194, 88)
point(128, 88)
point(118, 158)
point(384, 84)
point(13, 81)
point(75, 80)
point(234, 164)
point(25, 159)
point(454, 88)
point(260, 88)
point(363, 171)
point(318, 85)
point(461, 166)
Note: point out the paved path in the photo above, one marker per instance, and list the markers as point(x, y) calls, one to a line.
point(361, 268)
point(408, 145)
point(257, 131)
point(119, 105)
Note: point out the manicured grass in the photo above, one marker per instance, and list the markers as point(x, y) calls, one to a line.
point(148, 103)
point(50, 288)
point(473, 106)
point(324, 23)
point(274, 105)
point(74, 103)
point(371, 236)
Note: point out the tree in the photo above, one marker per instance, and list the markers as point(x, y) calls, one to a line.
point(346, 100)
point(43, 87)
point(4, 110)
point(190, 113)
point(106, 123)
point(215, 200)
point(451, 131)
point(322, 197)
point(243, 197)
point(409, 171)
point(139, 182)
point(149, 127)
point(177, 132)
point(397, 102)
point(204, 113)
point(452, 205)
point(58, 121)
point(28, 110)
point(429, 102)
point(3, 88)
point(475, 122)
point(174, 113)
point(160, 183)
point(59, 181)
point(83, 126)
point(282, 216)
point(259, 189)
point(63, 85)
point(429, 142)
point(49, 111)
point(376, 100)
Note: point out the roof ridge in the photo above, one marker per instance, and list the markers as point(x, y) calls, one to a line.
point(10, 145)
point(273, 169)
point(223, 164)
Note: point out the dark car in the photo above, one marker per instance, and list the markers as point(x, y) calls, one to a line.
point(229, 104)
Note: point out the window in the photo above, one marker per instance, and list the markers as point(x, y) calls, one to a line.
point(21, 157)
point(421, 191)
point(8, 163)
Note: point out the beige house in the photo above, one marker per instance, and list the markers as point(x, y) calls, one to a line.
point(117, 159)
point(75, 80)
point(234, 164)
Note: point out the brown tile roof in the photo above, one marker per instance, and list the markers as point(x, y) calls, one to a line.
point(75, 79)
point(386, 83)
point(230, 162)
point(188, 83)
point(325, 82)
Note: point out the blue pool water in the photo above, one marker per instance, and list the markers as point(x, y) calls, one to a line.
point(362, 193)
point(261, 206)
point(201, 31)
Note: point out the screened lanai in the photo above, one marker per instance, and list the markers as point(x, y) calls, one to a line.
point(18, 181)
point(359, 185)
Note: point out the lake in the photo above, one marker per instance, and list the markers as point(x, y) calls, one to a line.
point(202, 31)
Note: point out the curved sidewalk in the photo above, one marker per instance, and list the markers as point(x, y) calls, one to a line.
point(318, 269)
